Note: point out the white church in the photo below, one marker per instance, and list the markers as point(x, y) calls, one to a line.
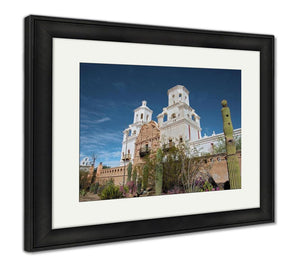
point(178, 122)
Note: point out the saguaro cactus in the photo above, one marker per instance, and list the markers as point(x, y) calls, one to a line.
point(134, 175)
point(233, 166)
point(145, 176)
point(139, 184)
point(159, 172)
point(129, 170)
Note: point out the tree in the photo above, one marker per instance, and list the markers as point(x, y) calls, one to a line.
point(183, 167)
point(134, 175)
point(83, 180)
point(220, 146)
point(159, 172)
point(94, 157)
point(129, 170)
point(145, 176)
point(193, 168)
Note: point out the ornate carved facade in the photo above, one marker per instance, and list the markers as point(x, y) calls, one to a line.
point(147, 142)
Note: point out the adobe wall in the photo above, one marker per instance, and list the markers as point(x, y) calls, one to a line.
point(116, 173)
point(219, 167)
point(217, 162)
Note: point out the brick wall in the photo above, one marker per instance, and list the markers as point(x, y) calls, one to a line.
point(116, 173)
point(219, 167)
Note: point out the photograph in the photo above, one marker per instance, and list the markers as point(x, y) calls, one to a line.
point(138, 131)
point(158, 130)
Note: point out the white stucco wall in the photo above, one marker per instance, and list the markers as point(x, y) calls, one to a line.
point(177, 94)
point(182, 121)
point(204, 145)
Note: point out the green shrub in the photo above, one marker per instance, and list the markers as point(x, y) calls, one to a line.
point(139, 184)
point(207, 187)
point(83, 180)
point(129, 170)
point(145, 176)
point(100, 189)
point(92, 188)
point(134, 176)
point(124, 190)
point(159, 172)
point(110, 191)
point(82, 192)
point(96, 186)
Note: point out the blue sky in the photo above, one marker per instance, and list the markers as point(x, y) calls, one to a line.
point(109, 93)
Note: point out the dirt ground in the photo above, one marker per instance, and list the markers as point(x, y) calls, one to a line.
point(89, 197)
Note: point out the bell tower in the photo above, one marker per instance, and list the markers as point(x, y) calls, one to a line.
point(179, 122)
point(142, 114)
point(178, 94)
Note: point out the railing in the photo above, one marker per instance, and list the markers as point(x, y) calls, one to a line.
point(144, 151)
point(126, 157)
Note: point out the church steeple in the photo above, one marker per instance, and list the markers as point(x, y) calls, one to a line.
point(178, 121)
point(142, 114)
point(178, 94)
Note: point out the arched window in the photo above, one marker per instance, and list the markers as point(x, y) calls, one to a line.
point(142, 116)
point(173, 116)
point(180, 95)
point(147, 117)
point(193, 117)
point(165, 118)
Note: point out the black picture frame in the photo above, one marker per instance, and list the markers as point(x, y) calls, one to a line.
point(39, 32)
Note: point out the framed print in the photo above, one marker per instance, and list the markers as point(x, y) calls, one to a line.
point(135, 131)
